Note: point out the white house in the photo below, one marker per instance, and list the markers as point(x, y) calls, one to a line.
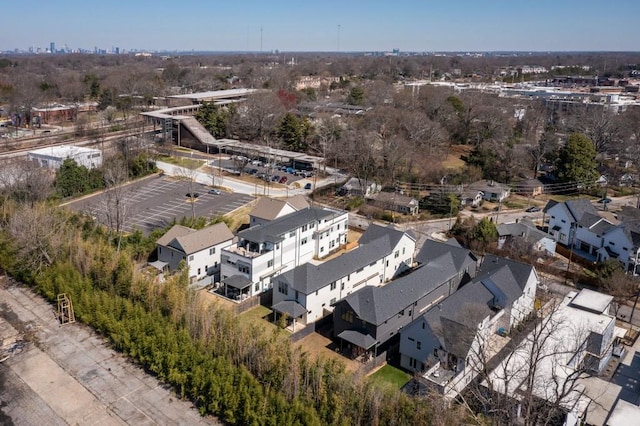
point(577, 335)
point(200, 249)
point(54, 156)
point(564, 216)
point(308, 292)
point(267, 209)
point(491, 190)
point(448, 343)
point(271, 248)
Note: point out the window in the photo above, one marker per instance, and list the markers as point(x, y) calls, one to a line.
point(333, 285)
point(341, 286)
point(190, 258)
point(403, 249)
point(321, 249)
point(296, 294)
point(159, 250)
point(303, 241)
point(244, 269)
point(348, 316)
point(198, 271)
point(418, 345)
point(396, 254)
point(283, 288)
point(212, 250)
point(332, 301)
point(563, 221)
point(305, 227)
point(292, 234)
point(257, 287)
point(269, 263)
point(411, 339)
point(412, 362)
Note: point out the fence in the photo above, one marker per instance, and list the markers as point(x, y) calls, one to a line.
point(371, 364)
point(264, 298)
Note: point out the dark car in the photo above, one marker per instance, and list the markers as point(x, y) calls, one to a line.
point(275, 178)
point(604, 201)
point(533, 209)
point(193, 194)
point(307, 186)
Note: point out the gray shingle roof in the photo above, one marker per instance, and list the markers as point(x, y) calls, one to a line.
point(579, 207)
point(524, 229)
point(446, 254)
point(375, 232)
point(375, 305)
point(273, 231)
point(308, 278)
point(454, 321)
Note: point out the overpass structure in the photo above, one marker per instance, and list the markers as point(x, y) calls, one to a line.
point(177, 122)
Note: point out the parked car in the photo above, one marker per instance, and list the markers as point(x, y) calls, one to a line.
point(291, 170)
point(604, 200)
point(215, 191)
point(193, 194)
point(533, 209)
point(275, 178)
point(308, 186)
point(252, 171)
point(283, 179)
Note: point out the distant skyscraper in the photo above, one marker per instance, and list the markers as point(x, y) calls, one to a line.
point(52, 47)
point(117, 50)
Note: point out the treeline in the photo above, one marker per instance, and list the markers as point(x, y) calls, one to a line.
point(228, 368)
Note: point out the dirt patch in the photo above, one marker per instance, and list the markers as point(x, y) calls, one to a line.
point(316, 344)
point(453, 159)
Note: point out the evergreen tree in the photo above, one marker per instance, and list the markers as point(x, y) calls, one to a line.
point(577, 162)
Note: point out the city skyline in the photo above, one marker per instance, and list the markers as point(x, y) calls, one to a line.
point(251, 25)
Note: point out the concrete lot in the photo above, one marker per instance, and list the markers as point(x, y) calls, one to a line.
point(154, 202)
point(68, 375)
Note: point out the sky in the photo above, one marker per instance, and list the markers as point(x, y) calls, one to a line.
point(327, 25)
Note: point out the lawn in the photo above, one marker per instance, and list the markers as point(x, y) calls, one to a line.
point(257, 316)
point(183, 162)
point(390, 375)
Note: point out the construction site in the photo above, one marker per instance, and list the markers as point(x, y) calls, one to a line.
point(56, 371)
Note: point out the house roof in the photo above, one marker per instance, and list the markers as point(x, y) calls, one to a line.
point(290, 307)
point(376, 305)
point(190, 241)
point(394, 198)
point(376, 243)
point(375, 232)
point(270, 208)
point(489, 186)
point(525, 229)
point(591, 301)
point(307, 278)
point(577, 208)
point(359, 338)
point(274, 231)
point(447, 254)
point(237, 281)
point(455, 320)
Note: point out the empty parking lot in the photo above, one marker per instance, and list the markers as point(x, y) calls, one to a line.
point(154, 202)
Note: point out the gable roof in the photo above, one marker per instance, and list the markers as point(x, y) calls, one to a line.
point(190, 241)
point(391, 235)
point(577, 208)
point(445, 254)
point(270, 208)
point(375, 305)
point(395, 199)
point(525, 229)
point(489, 186)
point(273, 231)
point(307, 278)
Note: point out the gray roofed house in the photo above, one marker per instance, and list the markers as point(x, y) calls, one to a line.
point(564, 217)
point(200, 249)
point(491, 190)
point(383, 311)
point(318, 286)
point(271, 248)
point(396, 202)
point(443, 343)
point(526, 231)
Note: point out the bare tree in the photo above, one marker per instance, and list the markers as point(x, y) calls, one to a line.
point(38, 234)
point(117, 208)
point(535, 379)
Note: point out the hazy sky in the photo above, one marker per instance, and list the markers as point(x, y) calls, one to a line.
point(327, 25)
